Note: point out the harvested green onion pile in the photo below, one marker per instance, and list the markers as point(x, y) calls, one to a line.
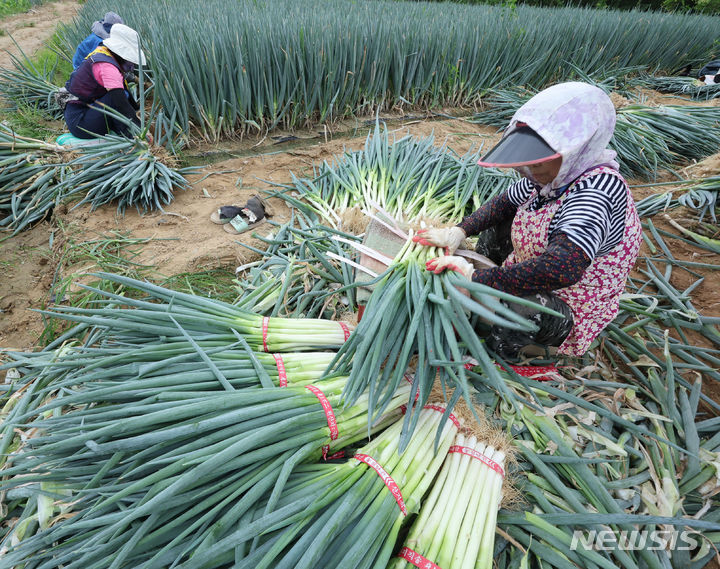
point(37, 176)
point(686, 86)
point(409, 178)
point(30, 180)
point(184, 464)
point(299, 275)
point(341, 515)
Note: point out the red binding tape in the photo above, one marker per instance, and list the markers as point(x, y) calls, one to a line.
point(538, 373)
point(416, 559)
point(265, 321)
point(345, 330)
point(326, 456)
point(480, 456)
point(331, 420)
point(282, 373)
point(453, 418)
point(386, 478)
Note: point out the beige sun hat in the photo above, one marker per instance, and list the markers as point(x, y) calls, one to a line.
point(124, 41)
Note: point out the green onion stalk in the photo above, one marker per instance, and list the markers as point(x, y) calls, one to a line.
point(155, 479)
point(414, 312)
point(456, 525)
point(340, 515)
point(182, 316)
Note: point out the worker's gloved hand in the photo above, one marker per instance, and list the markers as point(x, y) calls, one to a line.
point(448, 237)
point(450, 263)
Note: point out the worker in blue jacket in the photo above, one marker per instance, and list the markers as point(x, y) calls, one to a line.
point(100, 32)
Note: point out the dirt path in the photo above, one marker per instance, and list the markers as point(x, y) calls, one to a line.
point(31, 29)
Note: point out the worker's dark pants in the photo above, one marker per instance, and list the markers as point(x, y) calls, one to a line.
point(495, 244)
point(88, 121)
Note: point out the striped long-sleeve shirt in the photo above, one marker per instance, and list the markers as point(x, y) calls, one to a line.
point(589, 223)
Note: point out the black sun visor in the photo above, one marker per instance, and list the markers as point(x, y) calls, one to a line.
point(522, 147)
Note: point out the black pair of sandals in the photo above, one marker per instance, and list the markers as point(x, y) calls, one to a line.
point(239, 219)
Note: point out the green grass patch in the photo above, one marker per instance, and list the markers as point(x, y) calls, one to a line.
point(8, 7)
point(33, 123)
point(115, 252)
point(76, 256)
point(217, 283)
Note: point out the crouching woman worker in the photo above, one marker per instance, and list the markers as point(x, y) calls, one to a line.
point(98, 83)
point(566, 234)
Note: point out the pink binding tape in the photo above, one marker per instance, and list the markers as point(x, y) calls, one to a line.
point(416, 559)
point(480, 456)
point(386, 478)
point(331, 420)
point(265, 321)
point(282, 373)
point(345, 329)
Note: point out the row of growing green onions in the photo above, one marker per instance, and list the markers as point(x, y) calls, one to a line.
point(647, 138)
point(296, 62)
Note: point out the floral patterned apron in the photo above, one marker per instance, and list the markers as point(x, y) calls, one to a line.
point(595, 299)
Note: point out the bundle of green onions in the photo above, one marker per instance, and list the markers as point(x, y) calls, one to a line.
point(414, 312)
point(456, 525)
point(128, 172)
point(176, 475)
point(341, 515)
point(167, 314)
point(409, 178)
